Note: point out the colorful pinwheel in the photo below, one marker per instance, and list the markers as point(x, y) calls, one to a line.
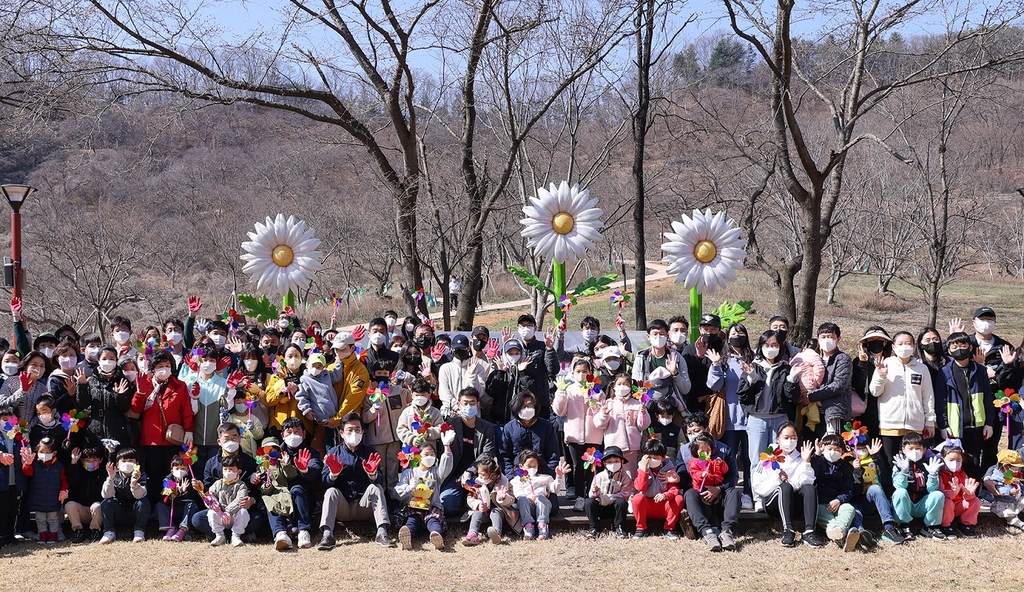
point(268, 456)
point(1007, 402)
point(772, 457)
point(232, 319)
point(643, 391)
point(378, 394)
point(409, 457)
point(855, 433)
point(73, 421)
point(619, 299)
point(16, 430)
point(170, 489)
point(592, 459)
point(1012, 477)
point(421, 425)
point(471, 485)
point(189, 456)
point(566, 302)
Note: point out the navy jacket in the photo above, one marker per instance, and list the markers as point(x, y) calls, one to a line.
point(540, 437)
point(85, 487)
point(313, 472)
point(833, 480)
point(353, 480)
point(11, 447)
point(979, 395)
point(44, 486)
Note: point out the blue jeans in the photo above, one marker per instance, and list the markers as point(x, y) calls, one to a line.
point(453, 497)
point(415, 522)
point(279, 523)
point(876, 495)
point(257, 520)
point(301, 499)
point(114, 513)
point(760, 433)
point(737, 441)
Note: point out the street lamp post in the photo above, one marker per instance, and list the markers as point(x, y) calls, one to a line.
point(16, 196)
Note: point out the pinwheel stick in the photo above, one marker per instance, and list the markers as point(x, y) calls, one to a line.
point(558, 278)
point(696, 311)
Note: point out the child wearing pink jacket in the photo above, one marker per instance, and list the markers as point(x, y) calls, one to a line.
point(578, 402)
point(623, 419)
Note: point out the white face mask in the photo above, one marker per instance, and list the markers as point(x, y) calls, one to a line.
point(613, 467)
point(45, 456)
point(654, 463)
point(665, 420)
point(589, 335)
point(174, 337)
point(143, 363)
point(532, 471)
point(512, 360)
point(409, 327)
point(107, 366)
point(314, 371)
point(915, 455)
point(527, 413)
point(283, 323)
point(66, 362)
point(788, 444)
point(121, 336)
point(692, 437)
point(293, 440)
point(827, 344)
point(420, 401)
point(984, 327)
point(45, 418)
point(230, 446)
point(622, 391)
point(390, 322)
point(162, 374)
point(378, 339)
point(92, 352)
point(126, 467)
point(658, 341)
point(770, 353)
point(47, 351)
point(179, 473)
point(832, 455)
point(208, 367)
point(131, 375)
point(677, 337)
point(219, 340)
point(427, 461)
point(250, 364)
point(903, 351)
point(396, 348)
point(10, 368)
point(526, 331)
point(353, 438)
point(612, 365)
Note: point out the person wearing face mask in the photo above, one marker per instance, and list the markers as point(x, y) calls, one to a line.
point(421, 412)
point(962, 502)
point(252, 367)
point(250, 425)
point(724, 375)
point(835, 391)
point(208, 390)
point(161, 400)
point(664, 368)
point(1000, 361)
point(378, 352)
point(790, 487)
point(527, 431)
point(121, 334)
point(352, 379)
point(489, 498)
point(270, 343)
point(623, 419)
point(610, 361)
point(318, 402)
point(108, 397)
point(9, 364)
point(988, 343)
point(590, 329)
point(474, 439)
point(657, 491)
point(678, 332)
point(244, 470)
point(381, 420)
point(538, 361)
point(464, 371)
point(665, 428)
point(480, 339)
point(723, 500)
point(218, 334)
point(174, 335)
point(906, 400)
point(834, 482)
point(698, 364)
point(917, 493)
point(407, 328)
point(124, 497)
point(85, 492)
point(47, 487)
point(24, 389)
point(302, 466)
point(874, 347)
point(65, 381)
point(352, 479)
point(419, 494)
point(423, 337)
point(180, 502)
point(780, 324)
point(578, 402)
point(391, 322)
point(282, 386)
point(46, 344)
point(966, 412)
point(12, 481)
point(608, 496)
point(504, 380)
point(228, 492)
point(47, 422)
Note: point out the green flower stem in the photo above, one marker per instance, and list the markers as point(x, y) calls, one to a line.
point(288, 300)
point(558, 271)
point(696, 311)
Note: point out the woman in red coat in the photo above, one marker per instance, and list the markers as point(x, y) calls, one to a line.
point(156, 391)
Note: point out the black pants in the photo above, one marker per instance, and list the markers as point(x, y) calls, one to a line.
point(595, 511)
point(974, 445)
point(581, 478)
point(723, 512)
point(156, 464)
point(782, 504)
point(10, 502)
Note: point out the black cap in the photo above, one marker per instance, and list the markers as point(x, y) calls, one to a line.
point(527, 318)
point(481, 329)
point(612, 451)
point(460, 342)
point(711, 320)
point(984, 311)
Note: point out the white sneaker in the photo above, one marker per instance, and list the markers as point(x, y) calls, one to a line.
point(218, 540)
point(282, 542)
point(139, 536)
point(305, 541)
point(746, 502)
point(236, 540)
point(759, 506)
point(108, 537)
point(578, 506)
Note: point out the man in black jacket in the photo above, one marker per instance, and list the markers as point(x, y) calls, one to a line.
point(474, 438)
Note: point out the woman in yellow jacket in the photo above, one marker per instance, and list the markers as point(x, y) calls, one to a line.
point(281, 389)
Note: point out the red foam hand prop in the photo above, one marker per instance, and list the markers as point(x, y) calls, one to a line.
point(333, 464)
point(370, 465)
point(194, 304)
point(302, 459)
point(26, 381)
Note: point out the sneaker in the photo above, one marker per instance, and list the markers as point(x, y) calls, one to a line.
point(218, 540)
point(711, 541)
point(78, 537)
point(969, 531)
point(108, 537)
point(384, 540)
point(812, 538)
point(283, 542)
point(852, 538)
point(834, 533)
point(578, 506)
point(30, 536)
point(867, 539)
point(405, 538)
point(236, 540)
point(95, 535)
point(43, 537)
point(908, 534)
point(180, 535)
point(932, 532)
point(528, 532)
point(326, 542)
point(893, 535)
point(170, 534)
point(620, 533)
point(542, 532)
point(727, 541)
point(437, 540)
point(671, 535)
point(139, 536)
point(494, 535)
point(759, 507)
point(472, 539)
point(593, 533)
point(305, 541)
point(59, 535)
point(639, 534)
point(746, 502)
point(950, 532)
point(788, 538)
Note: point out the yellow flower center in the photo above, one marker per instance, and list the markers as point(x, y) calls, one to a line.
point(705, 251)
point(283, 255)
point(563, 223)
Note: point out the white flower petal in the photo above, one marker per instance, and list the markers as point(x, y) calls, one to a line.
point(539, 219)
point(720, 231)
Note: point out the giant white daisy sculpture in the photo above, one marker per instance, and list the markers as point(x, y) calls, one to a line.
point(562, 224)
point(281, 255)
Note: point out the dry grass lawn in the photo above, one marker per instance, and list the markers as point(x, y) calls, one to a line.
point(567, 562)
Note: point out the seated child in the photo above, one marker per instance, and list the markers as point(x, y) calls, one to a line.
point(916, 486)
point(180, 502)
point(302, 466)
point(664, 427)
point(489, 498)
point(419, 488)
point(224, 499)
point(657, 491)
point(85, 492)
point(609, 494)
point(248, 424)
point(812, 369)
point(833, 478)
point(47, 487)
point(1002, 482)
point(960, 492)
point(277, 497)
point(124, 497)
point(532, 489)
point(867, 490)
point(705, 468)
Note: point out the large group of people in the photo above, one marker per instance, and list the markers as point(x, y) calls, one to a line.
point(220, 431)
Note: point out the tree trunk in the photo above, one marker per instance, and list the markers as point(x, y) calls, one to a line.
point(472, 282)
point(406, 220)
point(644, 21)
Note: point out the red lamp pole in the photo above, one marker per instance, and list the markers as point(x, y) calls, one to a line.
point(16, 196)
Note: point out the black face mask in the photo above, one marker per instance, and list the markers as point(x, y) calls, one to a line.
point(461, 354)
point(738, 341)
point(934, 348)
point(713, 342)
point(424, 341)
point(781, 335)
point(874, 347)
point(271, 350)
point(479, 344)
point(411, 361)
point(960, 354)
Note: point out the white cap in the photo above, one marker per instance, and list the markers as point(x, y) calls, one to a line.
point(610, 352)
point(342, 339)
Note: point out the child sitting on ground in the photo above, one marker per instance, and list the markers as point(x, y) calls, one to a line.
point(489, 498)
point(705, 468)
point(833, 478)
point(419, 488)
point(224, 499)
point(532, 490)
point(808, 359)
point(960, 491)
point(180, 502)
point(1002, 482)
point(47, 488)
point(609, 494)
point(124, 497)
point(657, 491)
point(916, 485)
